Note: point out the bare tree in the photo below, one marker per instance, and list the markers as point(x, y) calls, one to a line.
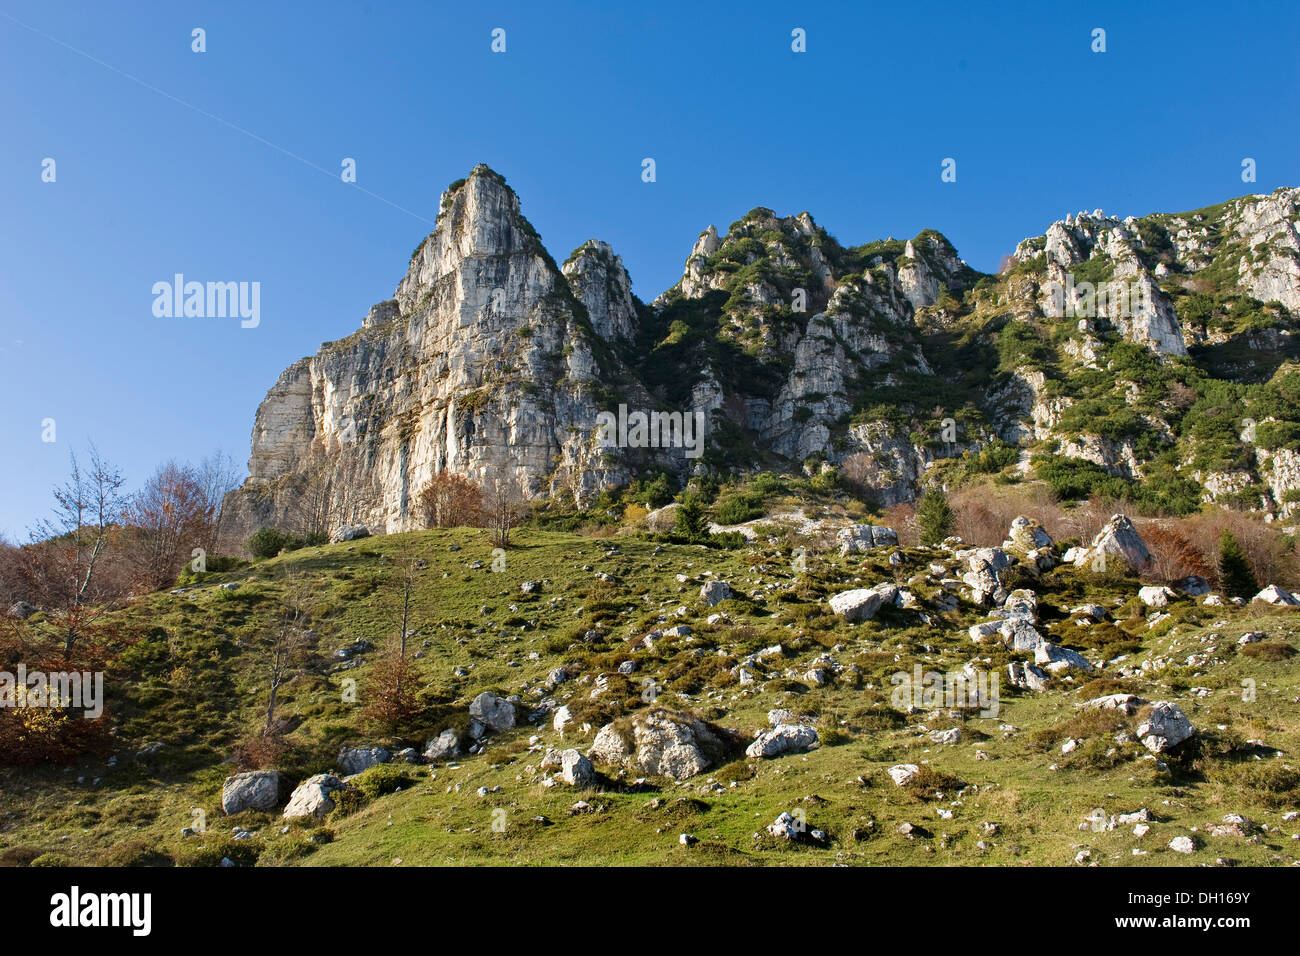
point(504, 504)
point(286, 651)
point(406, 567)
point(217, 475)
point(449, 500)
point(87, 510)
point(167, 516)
point(316, 505)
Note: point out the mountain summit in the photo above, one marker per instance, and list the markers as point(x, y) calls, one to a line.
point(1156, 352)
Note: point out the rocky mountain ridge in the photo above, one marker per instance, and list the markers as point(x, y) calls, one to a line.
point(893, 362)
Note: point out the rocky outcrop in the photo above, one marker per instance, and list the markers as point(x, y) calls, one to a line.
point(488, 366)
point(600, 282)
point(663, 743)
point(1118, 539)
point(492, 362)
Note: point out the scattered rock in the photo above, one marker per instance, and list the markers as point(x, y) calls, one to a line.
point(1117, 539)
point(353, 760)
point(496, 713)
point(576, 770)
point(664, 743)
point(253, 790)
point(1193, 585)
point(782, 739)
point(1156, 595)
point(1027, 677)
point(1020, 635)
point(445, 746)
point(863, 537)
point(903, 773)
point(715, 592)
point(311, 798)
point(1127, 704)
point(21, 610)
point(1165, 727)
point(1182, 844)
point(861, 604)
point(1056, 658)
point(1276, 595)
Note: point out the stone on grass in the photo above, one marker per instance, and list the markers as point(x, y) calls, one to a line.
point(1165, 727)
point(312, 797)
point(252, 790)
point(782, 739)
point(496, 713)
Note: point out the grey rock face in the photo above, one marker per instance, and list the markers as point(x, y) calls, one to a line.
point(495, 712)
point(356, 759)
point(253, 790)
point(311, 798)
point(861, 604)
point(782, 739)
point(1165, 727)
point(599, 280)
point(484, 369)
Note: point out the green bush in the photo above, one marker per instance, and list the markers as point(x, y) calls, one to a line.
point(738, 508)
point(689, 522)
point(1235, 576)
point(935, 516)
point(383, 778)
point(268, 542)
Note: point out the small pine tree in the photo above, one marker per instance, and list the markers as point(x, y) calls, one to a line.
point(935, 516)
point(690, 522)
point(1236, 579)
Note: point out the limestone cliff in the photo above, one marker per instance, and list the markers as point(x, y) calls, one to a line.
point(893, 361)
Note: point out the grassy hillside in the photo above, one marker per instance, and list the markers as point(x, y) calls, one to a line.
point(194, 680)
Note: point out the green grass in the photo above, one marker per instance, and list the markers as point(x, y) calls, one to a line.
point(194, 682)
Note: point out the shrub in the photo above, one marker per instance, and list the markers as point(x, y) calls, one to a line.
point(1268, 650)
point(934, 516)
point(1174, 556)
point(1236, 579)
point(382, 779)
point(689, 521)
point(737, 509)
point(390, 693)
point(268, 542)
point(450, 501)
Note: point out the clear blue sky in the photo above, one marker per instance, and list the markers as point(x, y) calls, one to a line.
point(854, 130)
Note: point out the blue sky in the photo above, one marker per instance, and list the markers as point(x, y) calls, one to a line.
point(854, 130)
